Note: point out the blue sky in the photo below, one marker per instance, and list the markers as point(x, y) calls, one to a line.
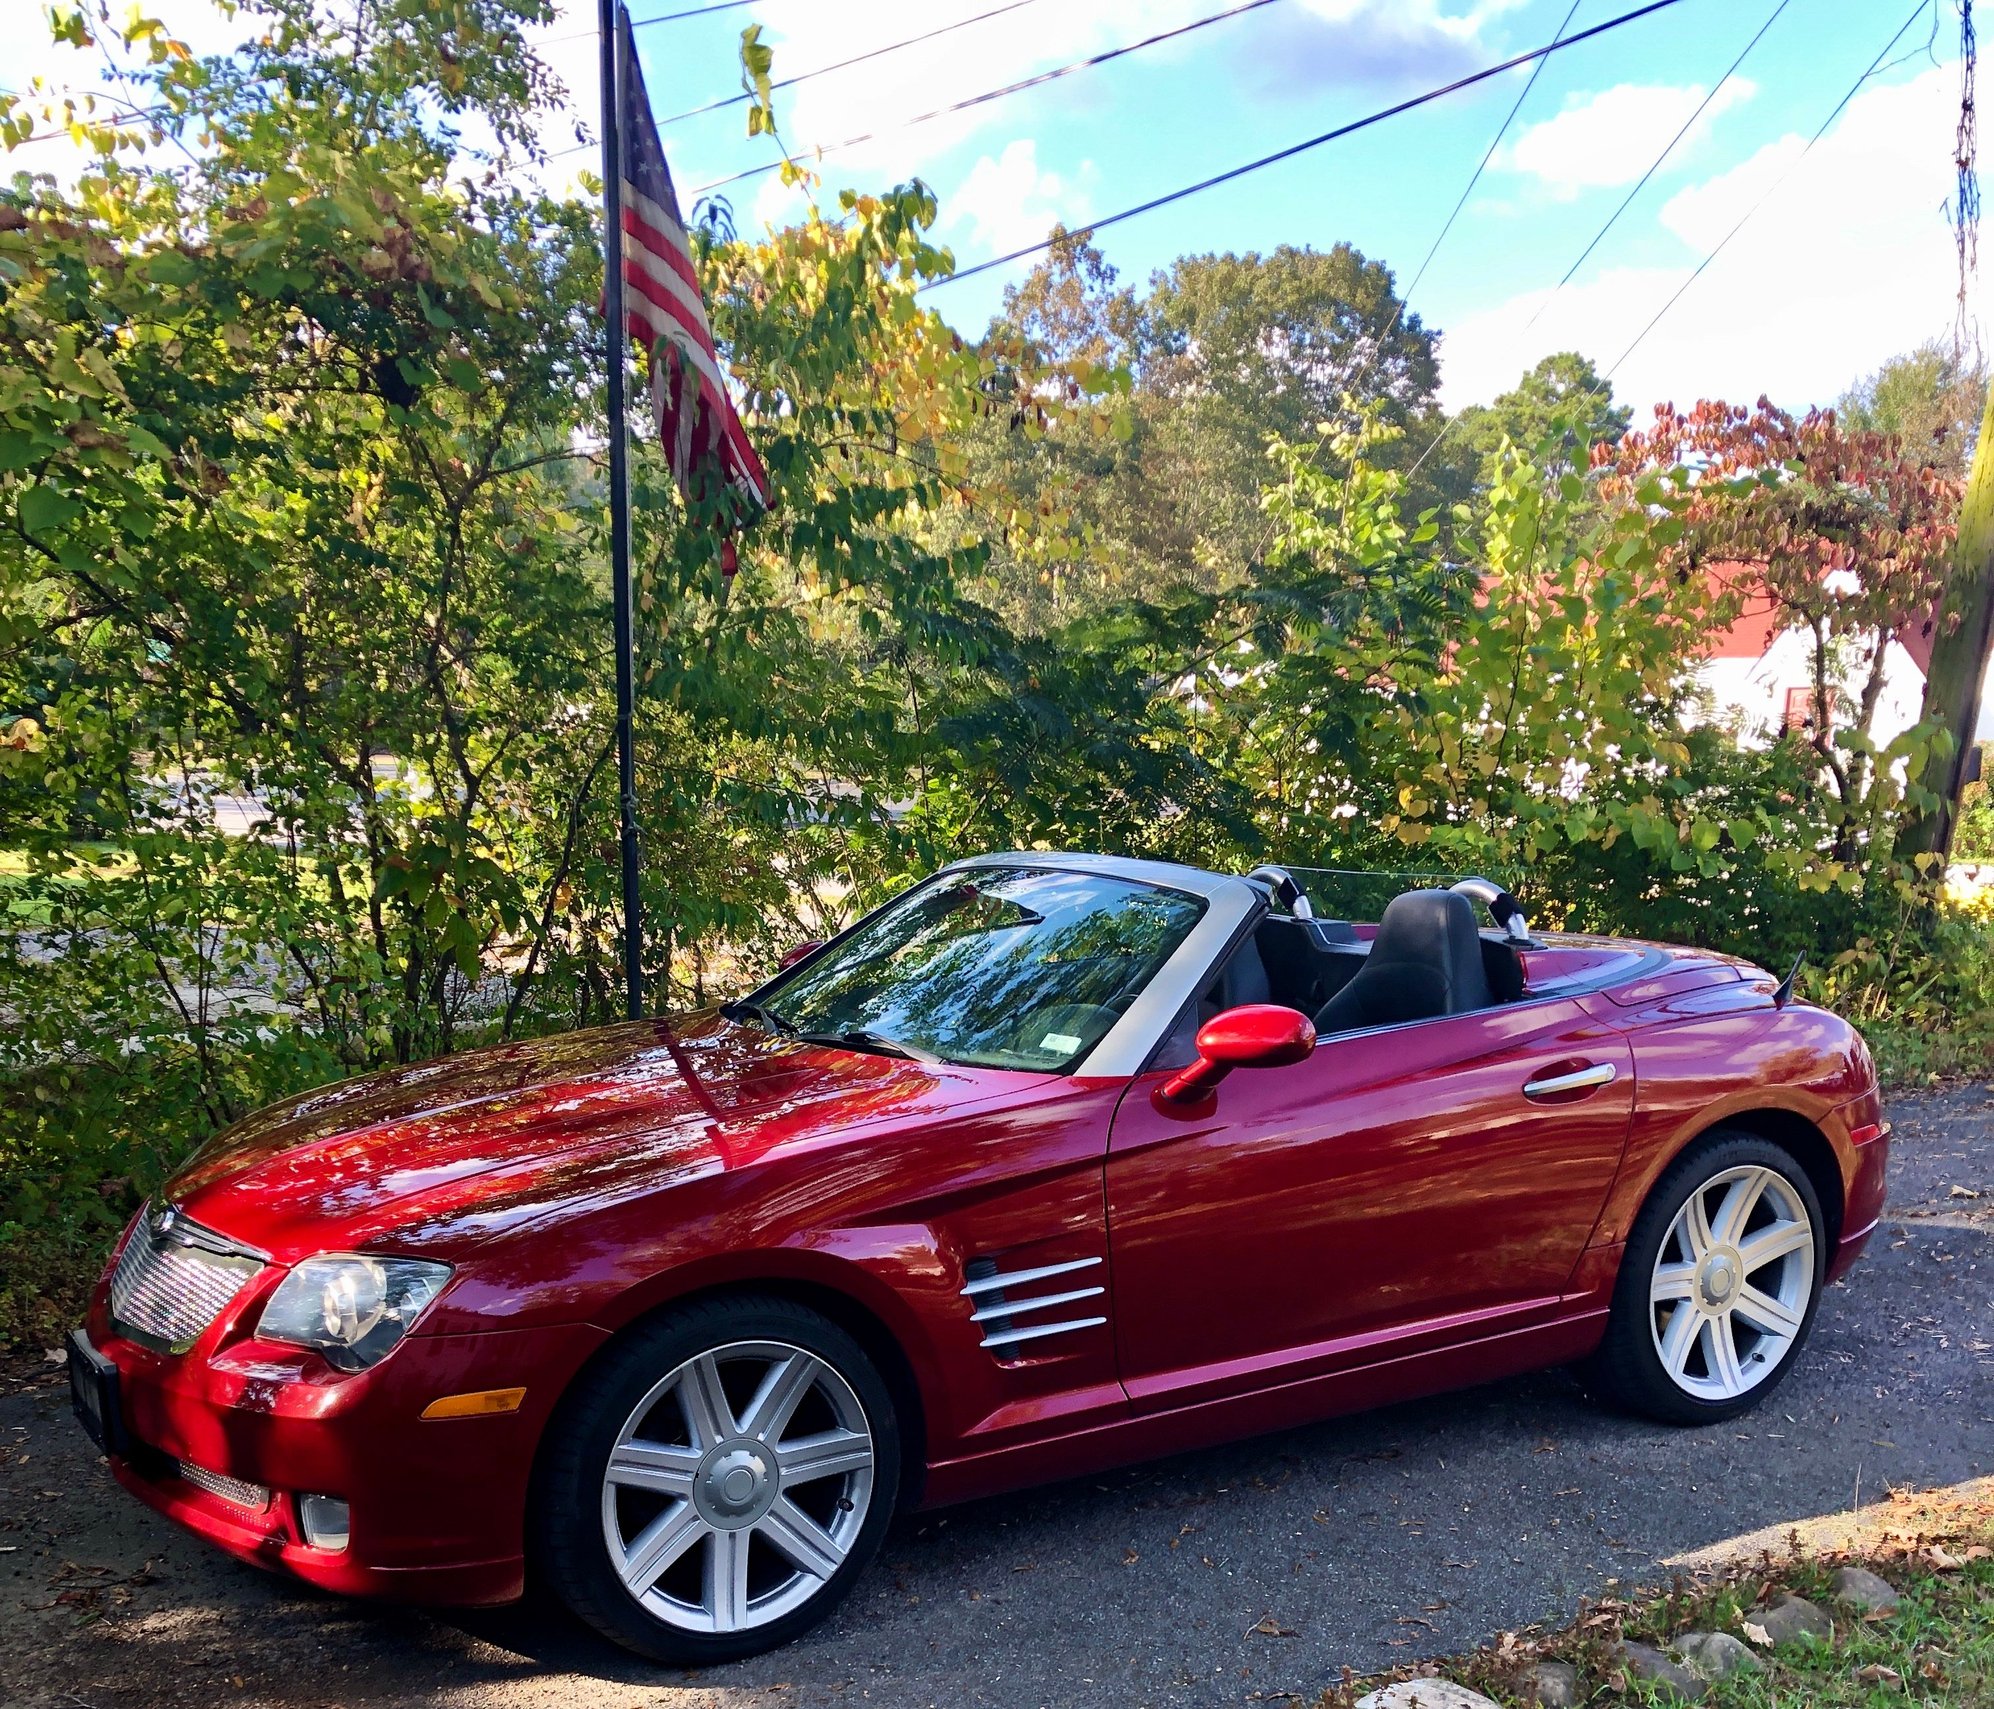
point(1848, 261)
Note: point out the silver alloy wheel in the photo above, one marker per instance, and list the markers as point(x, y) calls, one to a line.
point(1732, 1283)
point(737, 1486)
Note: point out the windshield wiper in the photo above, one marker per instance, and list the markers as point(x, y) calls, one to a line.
point(747, 1009)
point(864, 1038)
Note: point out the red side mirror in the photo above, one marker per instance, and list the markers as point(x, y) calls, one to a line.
point(1254, 1035)
point(799, 952)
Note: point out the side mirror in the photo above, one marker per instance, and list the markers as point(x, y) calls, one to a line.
point(809, 947)
point(1254, 1035)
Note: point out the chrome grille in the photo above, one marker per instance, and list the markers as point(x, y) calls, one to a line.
point(173, 1279)
point(238, 1492)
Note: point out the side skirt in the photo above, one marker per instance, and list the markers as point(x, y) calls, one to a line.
point(1280, 1407)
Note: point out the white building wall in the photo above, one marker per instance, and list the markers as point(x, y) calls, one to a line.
point(1753, 691)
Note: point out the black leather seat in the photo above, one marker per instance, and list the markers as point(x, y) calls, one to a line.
point(1302, 960)
point(1425, 961)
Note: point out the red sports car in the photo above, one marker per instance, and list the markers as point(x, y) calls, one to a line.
point(974, 1195)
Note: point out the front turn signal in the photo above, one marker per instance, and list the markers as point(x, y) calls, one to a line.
point(483, 1404)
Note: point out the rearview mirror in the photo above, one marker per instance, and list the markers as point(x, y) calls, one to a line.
point(809, 947)
point(1254, 1035)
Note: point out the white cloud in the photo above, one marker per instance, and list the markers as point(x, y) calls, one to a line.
point(1320, 44)
point(1006, 202)
point(45, 72)
point(1849, 261)
point(1611, 138)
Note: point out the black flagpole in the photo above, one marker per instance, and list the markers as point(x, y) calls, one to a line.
point(619, 507)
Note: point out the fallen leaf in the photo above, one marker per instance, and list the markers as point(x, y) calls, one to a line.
point(1877, 1674)
point(1269, 1628)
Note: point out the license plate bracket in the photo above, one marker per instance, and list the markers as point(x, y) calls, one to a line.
point(94, 1396)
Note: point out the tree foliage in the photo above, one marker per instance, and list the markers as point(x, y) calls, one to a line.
point(305, 685)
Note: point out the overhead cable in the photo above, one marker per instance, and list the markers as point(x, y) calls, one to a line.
point(1000, 93)
point(1266, 160)
point(856, 59)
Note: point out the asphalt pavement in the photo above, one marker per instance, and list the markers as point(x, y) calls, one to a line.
point(1250, 1573)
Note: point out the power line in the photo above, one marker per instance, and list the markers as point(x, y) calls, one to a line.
point(1475, 178)
point(1433, 249)
point(999, 94)
point(1626, 201)
point(1854, 88)
point(856, 59)
point(659, 18)
point(1294, 149)
point(1655, 165)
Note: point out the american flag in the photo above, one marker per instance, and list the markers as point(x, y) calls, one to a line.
point(666, 315)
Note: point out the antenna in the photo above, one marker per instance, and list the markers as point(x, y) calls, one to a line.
point(1783, 992)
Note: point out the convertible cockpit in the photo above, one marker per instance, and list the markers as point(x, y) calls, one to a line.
point(1426, 958)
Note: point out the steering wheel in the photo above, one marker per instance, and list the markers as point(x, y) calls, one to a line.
point(1287, 890)
point(1503, 908)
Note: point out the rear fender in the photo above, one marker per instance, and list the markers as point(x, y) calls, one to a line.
point(1797, 1071)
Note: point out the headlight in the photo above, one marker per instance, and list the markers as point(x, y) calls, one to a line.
point(350, 1307)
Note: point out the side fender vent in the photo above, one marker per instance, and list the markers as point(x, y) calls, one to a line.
point(1000, 1298)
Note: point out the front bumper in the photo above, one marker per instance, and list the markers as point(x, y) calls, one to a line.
point(438, 1507)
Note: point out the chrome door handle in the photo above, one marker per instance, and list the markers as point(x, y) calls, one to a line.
point(1600, 1074)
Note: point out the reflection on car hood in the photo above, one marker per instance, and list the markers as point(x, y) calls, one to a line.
point(468, 1144)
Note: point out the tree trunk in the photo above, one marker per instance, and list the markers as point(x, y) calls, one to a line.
point(1959, 658)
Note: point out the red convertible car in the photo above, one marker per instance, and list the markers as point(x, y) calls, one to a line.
point(1053, 1162)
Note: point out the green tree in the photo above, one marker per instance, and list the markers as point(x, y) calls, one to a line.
point(1930, 398)
point(1235, 349)
point(1562, 400)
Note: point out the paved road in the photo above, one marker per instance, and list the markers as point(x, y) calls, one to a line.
point(1361, 1542)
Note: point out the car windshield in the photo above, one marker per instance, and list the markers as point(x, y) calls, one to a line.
point(1001, 967)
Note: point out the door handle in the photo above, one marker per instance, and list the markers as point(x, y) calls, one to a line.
point(1599, 1074)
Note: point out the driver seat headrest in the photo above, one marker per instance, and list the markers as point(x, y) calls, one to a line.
point(1426, 961)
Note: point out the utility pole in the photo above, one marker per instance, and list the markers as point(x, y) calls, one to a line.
point(1961, 648)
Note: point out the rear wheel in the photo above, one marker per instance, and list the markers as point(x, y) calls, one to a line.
point(1719, 1284)
point(716, 1485)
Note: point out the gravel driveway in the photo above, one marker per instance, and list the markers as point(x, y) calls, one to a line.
point(1250, 1573)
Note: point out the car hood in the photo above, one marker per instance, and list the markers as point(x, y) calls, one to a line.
point(459, 1148)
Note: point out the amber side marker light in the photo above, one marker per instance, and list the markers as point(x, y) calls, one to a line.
point(482, 1404)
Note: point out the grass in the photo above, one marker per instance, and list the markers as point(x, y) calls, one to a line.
point(1935, 1652)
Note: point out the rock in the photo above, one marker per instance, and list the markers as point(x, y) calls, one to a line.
point(1864, 1590)
point(1644, 1663)
point(1552, 1685)
point(1715, 1654)
point(1424, 1694)
point(1787, 1620)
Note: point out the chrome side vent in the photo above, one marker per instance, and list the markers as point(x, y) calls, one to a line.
point(998, 1298)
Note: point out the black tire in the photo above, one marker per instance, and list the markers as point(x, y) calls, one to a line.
point(1628, 1369)
point(568, 1526)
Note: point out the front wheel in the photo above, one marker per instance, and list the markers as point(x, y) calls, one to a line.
point(716, 1485)
point(1719, 1284)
